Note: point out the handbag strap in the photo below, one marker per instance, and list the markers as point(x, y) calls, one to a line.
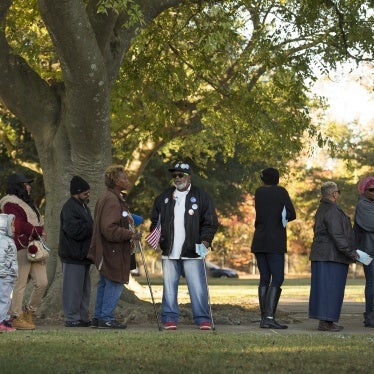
point(31, 234)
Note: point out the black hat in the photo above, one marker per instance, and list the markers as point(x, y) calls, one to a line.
point(78, 185)
point(18, 178)
point(270, 176)
point(181, 166)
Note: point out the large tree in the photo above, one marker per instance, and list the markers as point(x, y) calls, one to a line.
point(227, 70)
point(68, 116)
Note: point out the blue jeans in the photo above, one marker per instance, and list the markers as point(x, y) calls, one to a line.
point(197, 287)
point(369, 287)
point(271, 268)
point(107, 297)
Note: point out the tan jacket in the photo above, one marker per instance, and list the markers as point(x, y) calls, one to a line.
point(110, 245)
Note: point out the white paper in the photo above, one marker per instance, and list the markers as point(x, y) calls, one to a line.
point(284, 214)
point(364, 257)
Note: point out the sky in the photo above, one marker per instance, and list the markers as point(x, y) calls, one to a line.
point(350, 95)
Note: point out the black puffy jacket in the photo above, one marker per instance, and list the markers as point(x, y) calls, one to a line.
point(75, 232)
point(200, 220)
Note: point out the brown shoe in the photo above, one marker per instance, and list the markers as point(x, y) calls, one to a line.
point(20, 323)
point(28, 315)
point(329, 326)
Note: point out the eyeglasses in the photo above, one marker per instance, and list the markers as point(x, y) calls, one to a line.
point(179, 175)
point(370, 189)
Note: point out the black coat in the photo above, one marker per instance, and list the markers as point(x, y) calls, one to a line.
point(334, 238)
point(75, 232)
point(270, 236)
point(364, 225)
point(200, 220)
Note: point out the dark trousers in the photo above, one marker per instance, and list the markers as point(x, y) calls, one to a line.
point(76, 289)
point(369, 287)
point(271, 268)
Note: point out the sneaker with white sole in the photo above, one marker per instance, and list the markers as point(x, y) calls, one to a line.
point(205, 326)
point(170, 326)
point(113, 324)
point(6, 327)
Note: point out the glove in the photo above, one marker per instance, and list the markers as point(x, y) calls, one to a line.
point(201, 250)
point(138, 220)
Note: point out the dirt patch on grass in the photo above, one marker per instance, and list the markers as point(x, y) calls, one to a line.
point(143, 313)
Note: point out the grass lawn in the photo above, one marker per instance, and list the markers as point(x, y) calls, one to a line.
point(182, 352)
point(234, 291)
point(192, 351)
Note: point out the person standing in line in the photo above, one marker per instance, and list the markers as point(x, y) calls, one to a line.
point(8, 269)
point(111, 247)
point(29, 225)
point(333, 249)
point(364, 228)
point(75, 236)
point(273, 210)
point(188, 219)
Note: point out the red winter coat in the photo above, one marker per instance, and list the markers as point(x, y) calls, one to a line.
point(27, 222)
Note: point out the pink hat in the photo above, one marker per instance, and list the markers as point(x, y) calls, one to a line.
point(364, 184)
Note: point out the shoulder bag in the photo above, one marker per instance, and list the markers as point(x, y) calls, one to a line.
point(37, 250)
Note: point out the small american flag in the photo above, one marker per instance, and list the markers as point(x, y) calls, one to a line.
point(154, 236)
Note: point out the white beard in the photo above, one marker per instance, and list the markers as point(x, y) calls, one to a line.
point(181, 186)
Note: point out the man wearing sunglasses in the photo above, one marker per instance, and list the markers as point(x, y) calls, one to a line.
point(188, 219)
point(364, 229)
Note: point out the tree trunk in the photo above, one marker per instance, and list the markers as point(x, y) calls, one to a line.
point(67, 154)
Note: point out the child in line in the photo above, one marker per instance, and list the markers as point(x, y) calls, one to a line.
point(8, 269)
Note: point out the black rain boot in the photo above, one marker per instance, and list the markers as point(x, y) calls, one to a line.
point(272, 299)
point(262, 291)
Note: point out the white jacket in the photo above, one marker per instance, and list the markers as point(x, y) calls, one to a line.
point(8, 250)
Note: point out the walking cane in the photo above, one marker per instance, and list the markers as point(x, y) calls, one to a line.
point(210, 308)
point(149, 285)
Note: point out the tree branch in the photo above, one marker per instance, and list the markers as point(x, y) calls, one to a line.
point(22, 91)
point(74, 38)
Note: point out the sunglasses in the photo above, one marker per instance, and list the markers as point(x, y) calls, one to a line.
point(179, 175)
point(370, 189)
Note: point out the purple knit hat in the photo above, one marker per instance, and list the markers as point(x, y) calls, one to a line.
point(365, 183)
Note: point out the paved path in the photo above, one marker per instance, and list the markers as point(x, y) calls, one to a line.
point(351, 317)
point(298, 322)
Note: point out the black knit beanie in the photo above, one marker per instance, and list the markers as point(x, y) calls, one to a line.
point(270, 176)
point(78, 185)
